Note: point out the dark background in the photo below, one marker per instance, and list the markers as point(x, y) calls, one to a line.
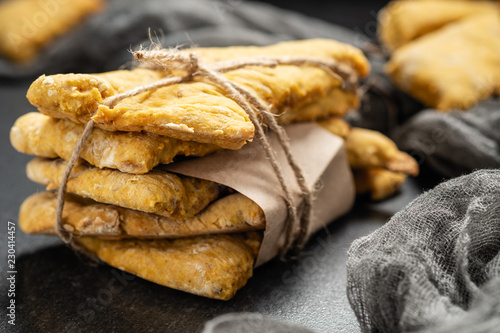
point(58, 291)
point(353, 14)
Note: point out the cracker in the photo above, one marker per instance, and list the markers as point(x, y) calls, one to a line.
point(213, 266)
point(199, 111)
point(400, 22)
point(157, 192)
point(454, 67)
point(368, 149)
point(131, 152)
point(336, 125)
point(85, 217)
point(29, 25)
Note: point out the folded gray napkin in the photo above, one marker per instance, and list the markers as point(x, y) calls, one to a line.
point(454, 143)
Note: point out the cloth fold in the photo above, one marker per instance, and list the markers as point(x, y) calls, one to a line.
point(435, 266)
point(454, 143)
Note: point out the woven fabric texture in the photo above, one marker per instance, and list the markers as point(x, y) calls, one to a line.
point(435, 266)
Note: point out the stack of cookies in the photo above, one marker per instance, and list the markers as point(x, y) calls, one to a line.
point(182, 232)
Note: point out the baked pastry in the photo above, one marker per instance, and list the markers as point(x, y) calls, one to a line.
point(379, 183)
point(370, 149)
point(400, 22)
point(157, 192)
point(29, 25)
point(214, 266)
point(336, 125)
point(132, 152)
point(199, 111)
point(378, 166)
point(454, 67)
point(84, 217)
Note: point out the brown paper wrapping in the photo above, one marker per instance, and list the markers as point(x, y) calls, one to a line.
point(320, 154)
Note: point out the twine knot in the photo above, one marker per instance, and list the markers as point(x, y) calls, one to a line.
point(168, 60)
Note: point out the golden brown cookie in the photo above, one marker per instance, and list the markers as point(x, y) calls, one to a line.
point(132, 152)
point(29, 25)
point(400, 22)
point(379, 168)
point(157, 192)
point(367, 149)
point(199, 111)
point(85, 217)
point(380, 183)
point(454, 67)
point(336, 125)
point(211, 266)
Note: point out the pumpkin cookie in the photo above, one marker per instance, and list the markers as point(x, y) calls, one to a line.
point(379, 183)
point(131, 152)
point(400, 22)
point(85, 217)
point(213, 266)
point(29, 25)
point(199, 111)
point(370, 149)
point(157, 192)
point(454, 67)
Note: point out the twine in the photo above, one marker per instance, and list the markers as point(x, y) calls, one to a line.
point(173, 59)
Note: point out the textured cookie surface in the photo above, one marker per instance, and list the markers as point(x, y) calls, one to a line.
point(400, 22)
point(211, 266)
point(199, 111)
point(157, 192)
point(84, 217)
point(370, 149)
point(132, 152)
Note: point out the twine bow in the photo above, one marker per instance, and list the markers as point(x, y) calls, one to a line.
point(189, 63)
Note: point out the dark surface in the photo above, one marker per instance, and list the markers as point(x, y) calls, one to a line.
point(57, 291)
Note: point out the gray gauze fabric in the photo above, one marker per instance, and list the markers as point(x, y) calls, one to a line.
point(246, 322)
point(454, 143)
point(435, 266)
point(103, 41)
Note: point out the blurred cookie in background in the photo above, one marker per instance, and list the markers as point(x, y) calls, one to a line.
point(400, 22)
point(30, 25)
